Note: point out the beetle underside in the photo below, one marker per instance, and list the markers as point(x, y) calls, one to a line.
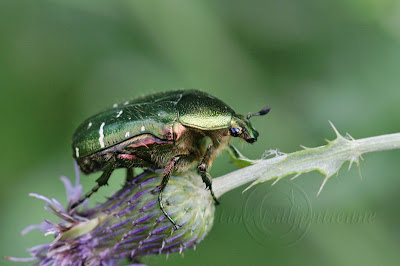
point(147, 151)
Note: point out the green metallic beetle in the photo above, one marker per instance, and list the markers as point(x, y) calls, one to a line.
point(172, 130)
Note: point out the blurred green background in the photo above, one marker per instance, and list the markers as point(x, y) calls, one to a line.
point(310, 60)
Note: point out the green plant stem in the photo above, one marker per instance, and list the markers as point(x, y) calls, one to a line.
point(326, 159)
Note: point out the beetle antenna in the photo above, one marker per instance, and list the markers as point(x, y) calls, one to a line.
point(262, 112)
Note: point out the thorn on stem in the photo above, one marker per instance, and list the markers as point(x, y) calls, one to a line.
point(279, 178)
point(298, 174)
point(334, 129)
point(323, 184)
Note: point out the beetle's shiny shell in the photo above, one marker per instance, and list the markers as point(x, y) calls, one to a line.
point(152, 114)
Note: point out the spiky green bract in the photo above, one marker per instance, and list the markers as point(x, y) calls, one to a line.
point(130, 224)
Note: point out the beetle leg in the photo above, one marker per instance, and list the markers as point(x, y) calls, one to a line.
point(101, 181)
point(202, 168)
point(205, 176)
point(163, 184)
point(129, 174)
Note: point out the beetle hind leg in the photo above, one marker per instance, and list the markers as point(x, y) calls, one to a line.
point(130, 175)
point(101, 181)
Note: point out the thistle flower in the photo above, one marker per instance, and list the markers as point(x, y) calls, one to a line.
point(128, 225)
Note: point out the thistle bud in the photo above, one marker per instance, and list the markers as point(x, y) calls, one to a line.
point(129, 224)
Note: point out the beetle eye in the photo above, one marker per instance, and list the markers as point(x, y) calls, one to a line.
point(235, 131)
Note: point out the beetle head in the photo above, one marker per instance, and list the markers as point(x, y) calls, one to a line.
point(241, 126)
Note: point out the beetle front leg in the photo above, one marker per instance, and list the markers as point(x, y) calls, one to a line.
point(205, 176)
point(203, 167)
point(163, 184)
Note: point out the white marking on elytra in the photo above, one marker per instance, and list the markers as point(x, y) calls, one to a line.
point(127, 134)
point(77, 152)
point(142, 128)
point(161, 113)
point(119, 113)
point(115, 105)
point(101, 133)
point(125, 103)
point(89, 125)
